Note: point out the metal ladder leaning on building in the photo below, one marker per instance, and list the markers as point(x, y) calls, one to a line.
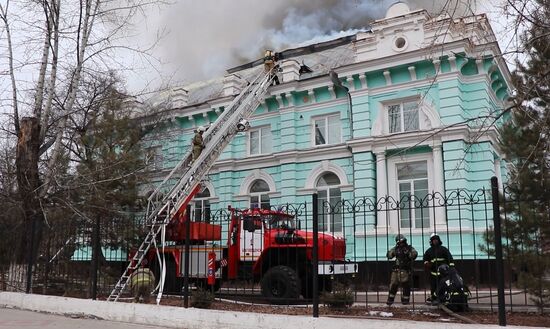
point(180, 186)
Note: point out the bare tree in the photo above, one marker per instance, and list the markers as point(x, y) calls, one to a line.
point(73, 38)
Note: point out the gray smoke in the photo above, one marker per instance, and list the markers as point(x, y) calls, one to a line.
point(206, 37)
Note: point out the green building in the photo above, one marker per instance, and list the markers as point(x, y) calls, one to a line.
point(410, 107)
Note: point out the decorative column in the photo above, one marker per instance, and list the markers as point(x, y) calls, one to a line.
point(387, 76)
point(479, 64)
point(279, 100)
point(452, 61)
point(412, 72)
point(363, 79)
point(437, 66)
point(289, 99)
point(438, 184)
point(351, 85)
point(382, 189)
point(311, 96)
point(332, 92)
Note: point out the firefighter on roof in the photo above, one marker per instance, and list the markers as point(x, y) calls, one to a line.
point(270, 63)
point(404, 255)
point(435, 256)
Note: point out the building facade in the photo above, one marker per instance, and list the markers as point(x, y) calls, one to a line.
point(408, 108)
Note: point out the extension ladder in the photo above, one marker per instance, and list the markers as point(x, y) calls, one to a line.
point(180, 186)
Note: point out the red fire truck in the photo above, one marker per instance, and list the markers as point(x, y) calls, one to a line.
point(262, 246)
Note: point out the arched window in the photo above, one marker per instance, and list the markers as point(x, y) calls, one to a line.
point(202, 206)
point(330, 197)
point(258, 194)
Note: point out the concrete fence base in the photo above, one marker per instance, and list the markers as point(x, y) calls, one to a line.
point(191, 318)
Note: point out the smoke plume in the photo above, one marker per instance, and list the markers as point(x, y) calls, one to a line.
point(204, 38)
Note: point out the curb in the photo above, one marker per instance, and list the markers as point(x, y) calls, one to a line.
point(192, 318)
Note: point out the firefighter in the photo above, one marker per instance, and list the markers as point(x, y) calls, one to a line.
point(452, 292)
point(142, 282)
point(198, 142)
point(435, 256)
point(404, 255)
point(270, 63)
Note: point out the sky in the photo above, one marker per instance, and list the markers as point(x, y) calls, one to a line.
point(201, 39)
point(192, 40)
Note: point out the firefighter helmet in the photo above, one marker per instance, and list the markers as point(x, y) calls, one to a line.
point(443, 269)
point(435, 237)
point(400, 238)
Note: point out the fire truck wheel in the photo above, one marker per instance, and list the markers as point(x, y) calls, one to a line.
point(281, 283)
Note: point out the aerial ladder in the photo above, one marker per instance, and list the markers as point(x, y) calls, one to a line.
point(174, 193)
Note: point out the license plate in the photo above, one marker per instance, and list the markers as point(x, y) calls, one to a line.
point(335, 269)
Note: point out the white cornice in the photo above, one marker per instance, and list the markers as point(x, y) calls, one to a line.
point(295, 156)
point(418, 55)
point(421, 138)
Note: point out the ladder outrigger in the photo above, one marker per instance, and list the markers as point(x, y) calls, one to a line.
point(172, 196)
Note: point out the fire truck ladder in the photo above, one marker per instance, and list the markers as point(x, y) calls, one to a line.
point(180, 186)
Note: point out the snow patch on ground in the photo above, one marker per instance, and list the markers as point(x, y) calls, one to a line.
point(381, 313)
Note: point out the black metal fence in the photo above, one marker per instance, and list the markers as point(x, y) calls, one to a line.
point(275, 261)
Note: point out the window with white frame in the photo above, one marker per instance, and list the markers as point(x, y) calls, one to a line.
point(260, 141)
point(259, 197)
point(412, 178)
point(153, 157)
point(403, 117)
point(327, 130)
point(201, 205)
point(330, 197)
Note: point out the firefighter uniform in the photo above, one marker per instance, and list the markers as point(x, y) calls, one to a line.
point(404, 255)
point(198, 143)
point(435, 256)
point(270, 59)
point(142, 282)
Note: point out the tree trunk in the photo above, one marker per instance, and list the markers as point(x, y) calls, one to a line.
point(29, 182)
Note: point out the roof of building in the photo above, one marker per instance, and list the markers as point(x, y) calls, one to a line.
point(320, 58)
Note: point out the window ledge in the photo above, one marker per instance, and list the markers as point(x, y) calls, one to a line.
point(244, 197)
point(259, 155)
point(315, 146)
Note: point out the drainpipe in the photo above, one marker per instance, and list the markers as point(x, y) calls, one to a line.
point(336, 81)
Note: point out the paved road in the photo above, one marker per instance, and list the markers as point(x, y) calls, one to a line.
point(10, 318)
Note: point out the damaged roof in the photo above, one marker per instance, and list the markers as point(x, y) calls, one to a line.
point(319, 57)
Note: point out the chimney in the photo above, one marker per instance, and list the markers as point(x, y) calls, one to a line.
point(179, 97)
point(291, 70)
point(232, 85)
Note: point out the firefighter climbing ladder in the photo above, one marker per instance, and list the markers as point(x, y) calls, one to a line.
point(181, 185)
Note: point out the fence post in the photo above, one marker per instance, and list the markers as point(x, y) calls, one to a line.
point(498, 252)
point(30, 256)
point(96, 249)
point(186, 260)
point(315, 255)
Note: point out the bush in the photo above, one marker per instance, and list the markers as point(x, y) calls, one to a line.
point(201, 298)
point(340, 297)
